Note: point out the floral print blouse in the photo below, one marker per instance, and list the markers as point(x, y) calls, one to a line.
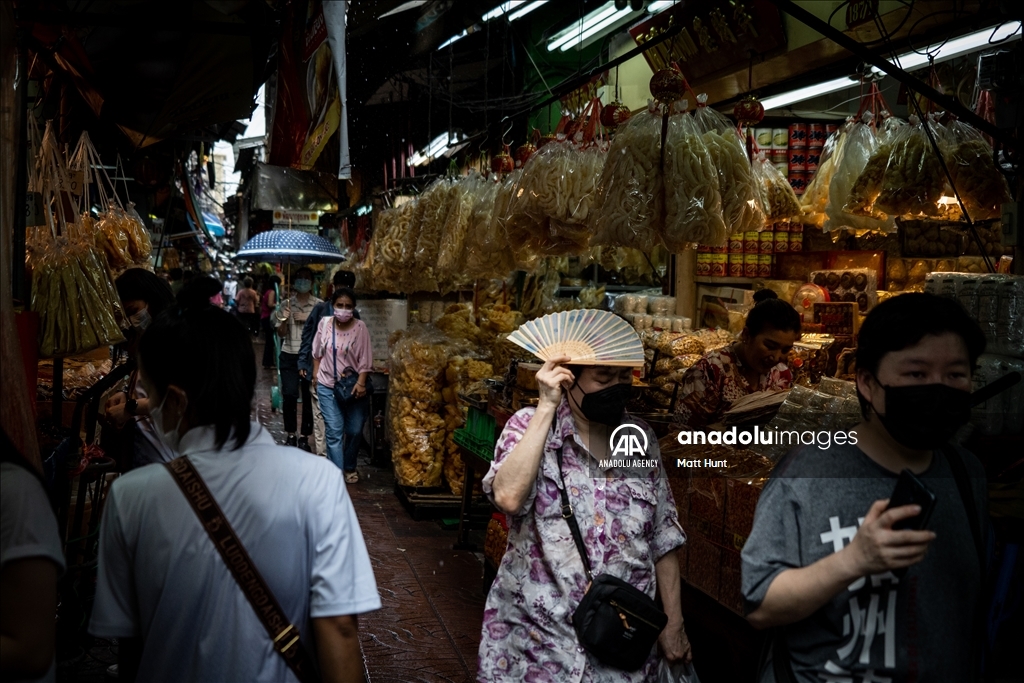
point(708, 388)
point(628, 524)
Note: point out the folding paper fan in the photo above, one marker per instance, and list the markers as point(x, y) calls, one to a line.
point(588, 337)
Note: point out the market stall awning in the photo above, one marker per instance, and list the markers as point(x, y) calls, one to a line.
point(289, 246)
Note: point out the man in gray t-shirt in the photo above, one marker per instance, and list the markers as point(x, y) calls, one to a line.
point(854, 600)
point(879, 628)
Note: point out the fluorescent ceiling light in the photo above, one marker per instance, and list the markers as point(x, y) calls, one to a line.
point(597, 28)
point(660, 5)
point(912, 60)
point(438, 146)
point(453, 39)
point(520, 13)
point(412, 4)
point(581, 26)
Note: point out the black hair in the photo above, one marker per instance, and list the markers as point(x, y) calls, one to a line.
point(247, 282)
point(198, 291)
point(344, 278)
point(764, 295)
point(904, 320)
point(274, 280)
point(304, 268)
point(188, 275)
point(139, 283)
point(772, 312)
point(208, 353)
point(343, 291)
point(175, 274)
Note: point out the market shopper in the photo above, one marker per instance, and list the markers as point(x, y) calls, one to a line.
point(163, 589)
point(291, 318)
point(267, 305)
point(341, 278)
point(135, 442)
point(823, 559)
point(757, 362)
point(31, 561)
point(342, 360)
point(628, 521)
point(246, 301)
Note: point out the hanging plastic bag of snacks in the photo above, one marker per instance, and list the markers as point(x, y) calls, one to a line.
point(865, 191)
point(850, 162)
point(693, 204)
point(982, 187)
point(456, 226)
point(814, 200)
point(631, 189)
point(741, 209)
point(914, 182)
point(777, 196)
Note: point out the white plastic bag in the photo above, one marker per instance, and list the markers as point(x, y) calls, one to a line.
point(676, 672)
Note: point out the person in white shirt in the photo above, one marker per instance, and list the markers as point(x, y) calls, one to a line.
point(291, 317)
point(162, 588)
point(229, 290)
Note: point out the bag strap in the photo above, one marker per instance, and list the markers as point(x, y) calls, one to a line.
point(285, 635)
point(570, 517)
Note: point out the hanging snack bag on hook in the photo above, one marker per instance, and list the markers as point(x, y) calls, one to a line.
point(693, 203)
point(981, 185)
point(850, 164)
point(914, 182)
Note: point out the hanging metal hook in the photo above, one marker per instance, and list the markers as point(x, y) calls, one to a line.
point(507, 130)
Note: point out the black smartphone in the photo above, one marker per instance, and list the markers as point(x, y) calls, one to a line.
point(911, 491)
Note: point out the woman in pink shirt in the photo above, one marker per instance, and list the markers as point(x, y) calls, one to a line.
point(341, 352)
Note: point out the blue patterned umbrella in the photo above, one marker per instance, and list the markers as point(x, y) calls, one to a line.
point(289, 246)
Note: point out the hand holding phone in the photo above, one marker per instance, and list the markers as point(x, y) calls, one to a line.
point(911, 491)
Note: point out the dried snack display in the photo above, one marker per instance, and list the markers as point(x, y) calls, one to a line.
point(461, 372)
point(741, 209)
point(416, 429)
point(693, 204)
point(981, 185)
point(456, 226)
point(487, 254)
point(931, 238)
point(867, 187)
point(631, 194)
point(814, 200)
point(854, 285)
point(433, 212)
point(393, 241)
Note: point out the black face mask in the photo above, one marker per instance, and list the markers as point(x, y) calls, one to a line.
point(607, 405)
point(925, 416)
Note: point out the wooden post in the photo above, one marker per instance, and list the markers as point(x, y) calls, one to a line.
point(686, 284)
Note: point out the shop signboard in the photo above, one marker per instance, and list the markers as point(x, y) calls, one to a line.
point(306, 221)
point(383, 317)
point(713, 35)
point(860, 12)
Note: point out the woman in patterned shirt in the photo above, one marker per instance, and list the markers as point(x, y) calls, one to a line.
point(627, 517)
point(757, 362)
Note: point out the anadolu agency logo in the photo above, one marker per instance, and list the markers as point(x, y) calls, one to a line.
point(628, 444)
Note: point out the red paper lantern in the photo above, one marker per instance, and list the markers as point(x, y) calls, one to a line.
point(545, 139)
point(748, 111)
point(503, 163)
point(523, 153)
point(615, 114)
point(668, 85)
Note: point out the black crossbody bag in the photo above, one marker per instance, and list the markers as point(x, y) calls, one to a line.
point(615, 622)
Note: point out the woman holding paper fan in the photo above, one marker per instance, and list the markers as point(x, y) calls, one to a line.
point(757, 362)
point(583, 513)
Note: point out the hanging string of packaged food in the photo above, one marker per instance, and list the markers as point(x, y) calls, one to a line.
point(741, 209)
point(72, 290)
point(119, 232)
point(982, 187)
point(693, 203)
point(631, 188)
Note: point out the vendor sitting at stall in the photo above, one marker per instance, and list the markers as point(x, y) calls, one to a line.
point(757, 362)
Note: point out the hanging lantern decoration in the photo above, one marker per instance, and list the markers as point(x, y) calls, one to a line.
point(503, 162)
point(668, 85)
point(523, 153)
point(615, 114)
point(748, 111)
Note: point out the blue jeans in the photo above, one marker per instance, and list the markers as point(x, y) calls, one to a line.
point(342, 420)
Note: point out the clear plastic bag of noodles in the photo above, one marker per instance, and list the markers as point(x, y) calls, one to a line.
point(572, 173)
point(777, 196)
point(631, 189)
point(850, 161)
point(741, 209)
point(815, 198)
point(416, 428)
point(981, 185)
point(433, 211)
point(139, 245)
point(867, 187)
point(487, 254)
point(914, 180)
point(456, 226)
point(507, 222)
point(393, 238)
point(693, 203)
point(73, 294)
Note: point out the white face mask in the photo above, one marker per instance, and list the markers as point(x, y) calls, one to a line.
point(141, 319)
point(169, 438)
